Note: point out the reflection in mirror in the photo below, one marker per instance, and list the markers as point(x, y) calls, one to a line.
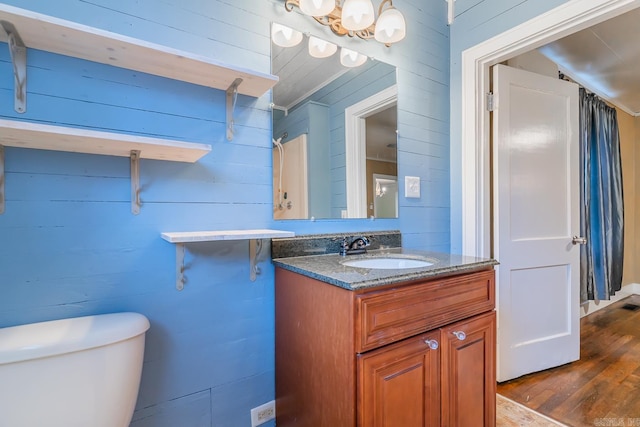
point(382, 166)
point(334, 128)
point(385, 196)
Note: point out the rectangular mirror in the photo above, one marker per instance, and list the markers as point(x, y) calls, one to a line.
point(334, 134)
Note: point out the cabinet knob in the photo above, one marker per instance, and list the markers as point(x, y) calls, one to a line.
point(460, 335)
point(433, 344)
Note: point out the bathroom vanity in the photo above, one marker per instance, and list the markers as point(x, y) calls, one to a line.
point(385, 347)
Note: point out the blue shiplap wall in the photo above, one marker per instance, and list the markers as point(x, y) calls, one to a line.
point(69, 245)
point(475, 22)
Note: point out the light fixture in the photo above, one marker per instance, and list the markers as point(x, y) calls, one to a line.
point(317, 7)
point(284, 36)
point(319, 48)
point(450, 12)
point(357, 14)
point(350, 58)
point(390, 27)
point(355, 18)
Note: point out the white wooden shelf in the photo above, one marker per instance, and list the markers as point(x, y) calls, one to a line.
point(180, 238)
point(23, 29)
point(208, 236)
point(72, 39)
point(14, 133)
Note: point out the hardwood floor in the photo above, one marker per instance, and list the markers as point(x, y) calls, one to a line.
point(603, 387)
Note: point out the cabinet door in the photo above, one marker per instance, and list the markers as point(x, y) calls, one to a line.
point(468, 372)
point(399, 385)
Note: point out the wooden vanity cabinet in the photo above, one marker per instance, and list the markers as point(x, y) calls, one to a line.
point(414, 354)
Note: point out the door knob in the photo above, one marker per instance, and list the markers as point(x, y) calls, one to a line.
point(460, 335)
point(433, 344)
point(579, 240)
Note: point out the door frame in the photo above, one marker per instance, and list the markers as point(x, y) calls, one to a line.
point(356, 147)
point(566, 19)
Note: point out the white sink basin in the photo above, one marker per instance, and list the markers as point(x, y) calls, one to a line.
point(387, 263)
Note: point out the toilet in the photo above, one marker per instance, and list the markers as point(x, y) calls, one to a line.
point(77, 372)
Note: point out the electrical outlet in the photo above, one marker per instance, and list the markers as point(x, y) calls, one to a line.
point(263, 413)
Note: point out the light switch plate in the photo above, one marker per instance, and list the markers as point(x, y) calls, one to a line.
point(412, 187)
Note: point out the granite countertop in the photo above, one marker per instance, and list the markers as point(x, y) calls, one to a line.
point(329, 268)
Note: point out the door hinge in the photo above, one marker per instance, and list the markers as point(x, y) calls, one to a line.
point(490, 102)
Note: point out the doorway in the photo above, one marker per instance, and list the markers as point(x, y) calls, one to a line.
point(476, 62)
point(356, 146)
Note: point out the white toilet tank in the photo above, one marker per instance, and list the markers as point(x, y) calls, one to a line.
point(79, 372)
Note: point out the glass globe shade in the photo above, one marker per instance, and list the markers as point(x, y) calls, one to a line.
point(390, 27)
point(350, 58)
point(285, 36)
point(319, 48)
point(317, 7)
point(357, 14)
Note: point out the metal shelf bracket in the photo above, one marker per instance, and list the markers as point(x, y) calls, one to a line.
point(232, 97)
point(255, 247)
point(180, 250)
point(135, 182)
point(18, 52)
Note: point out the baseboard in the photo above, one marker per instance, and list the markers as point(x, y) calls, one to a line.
point(592, 306)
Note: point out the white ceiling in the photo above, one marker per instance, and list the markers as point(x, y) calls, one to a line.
point(301, 74)
point(605, 59)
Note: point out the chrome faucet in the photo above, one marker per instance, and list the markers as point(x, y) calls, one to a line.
point(357, 246)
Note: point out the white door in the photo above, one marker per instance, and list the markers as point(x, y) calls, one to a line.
point(536, 213)
point(290, 190)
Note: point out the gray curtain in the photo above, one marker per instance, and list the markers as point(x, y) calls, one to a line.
point(602, 214)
